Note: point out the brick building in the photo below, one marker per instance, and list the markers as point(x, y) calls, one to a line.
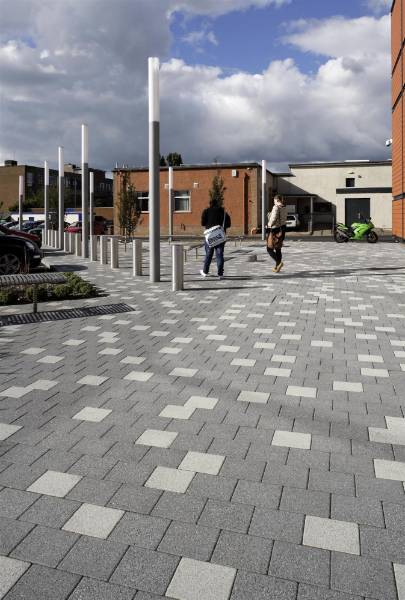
point(398, 126)
point(34, 184)
point(191, 185)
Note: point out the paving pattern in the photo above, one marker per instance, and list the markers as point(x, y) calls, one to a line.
point(243, 439)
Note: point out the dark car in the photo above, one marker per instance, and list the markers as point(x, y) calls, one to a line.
point(17, 254)
point(23, 234)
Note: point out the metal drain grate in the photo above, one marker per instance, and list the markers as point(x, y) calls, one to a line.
point(68, 313)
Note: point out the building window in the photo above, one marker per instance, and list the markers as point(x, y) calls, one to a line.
point(350, 182)
point(143, 199)
point(181, 201)
point(30, 179)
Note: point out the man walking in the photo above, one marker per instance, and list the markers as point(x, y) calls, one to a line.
point(214, 215)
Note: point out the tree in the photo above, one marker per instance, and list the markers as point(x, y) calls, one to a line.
point(129, 208)
point(217, 191)
point(174, 159)
point(163, 162)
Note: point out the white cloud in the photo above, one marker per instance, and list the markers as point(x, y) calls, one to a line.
point(90, 65)
point(379, 6)
point(215, 8)
point(198, 39)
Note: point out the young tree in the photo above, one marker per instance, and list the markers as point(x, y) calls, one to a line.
point(129, 208)
point(163, 162)
point(217, 190)
point(174, 159)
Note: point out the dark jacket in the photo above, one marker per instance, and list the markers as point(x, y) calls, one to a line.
point(215, 216)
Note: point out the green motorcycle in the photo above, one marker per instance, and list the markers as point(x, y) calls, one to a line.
point(356, 232)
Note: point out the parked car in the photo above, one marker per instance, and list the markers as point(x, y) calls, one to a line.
point(293, 221)
point(17, 254)
point(23, 234)
point(99, 227)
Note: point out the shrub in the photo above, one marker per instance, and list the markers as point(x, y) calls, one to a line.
point(75, 287)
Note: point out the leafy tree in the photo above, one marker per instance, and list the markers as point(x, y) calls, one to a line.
point(217, 191)
point(129, 208)
point(163, 162)
point(174, 159)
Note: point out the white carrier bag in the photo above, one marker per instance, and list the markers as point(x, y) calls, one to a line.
point(214, 236)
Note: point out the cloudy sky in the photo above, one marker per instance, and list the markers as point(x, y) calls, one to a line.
point(284, 80)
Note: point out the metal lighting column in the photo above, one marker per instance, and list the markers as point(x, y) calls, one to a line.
point(85, 191)
point(264, 198)
point(154, 171)
point(93, 242)
point(61, 203)
point(46, 201)
point(170, 204)
point(20, 200)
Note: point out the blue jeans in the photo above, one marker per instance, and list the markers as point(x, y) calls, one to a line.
point(219, 255)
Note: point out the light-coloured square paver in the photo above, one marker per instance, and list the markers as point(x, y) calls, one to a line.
point(6, 430)
point(10, 572)
point(182, 340)
point(292, 439)
point(304, 392)
point(138, 376)
point(73, 342)
point(93, 520)
point(399, 571)
point(92, 414)
point(133, 360)
point(15, 391)
point(368, 372)
point(197, 580)
point(389, 469)
point(110, 351)
point(157, 438)
point(171, 480)
point(200, 462)
point(371, 358)
point(169, 350)
point(50, 359)
point(329, 534)
point(173, 411)
point(321, 344)
point(283, 358)
point(231, 349)
point(42, 384)
point(204, 402)
point(248, 396)
point(181, 372)
point(92, 380)
point(33, 351)
point(54, 483)
point(277, 372)
point(243, 362)
point(347, 386)
point(264, 345)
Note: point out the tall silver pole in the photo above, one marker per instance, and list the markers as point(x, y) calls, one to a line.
point(154, 171)
point(170, 203)
point(91, 205)
point(85, 191)
point(61, 196)
point(264, 198)
point(46, 200)
point(20, 200)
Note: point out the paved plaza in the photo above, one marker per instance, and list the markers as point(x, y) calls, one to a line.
point(243, 439)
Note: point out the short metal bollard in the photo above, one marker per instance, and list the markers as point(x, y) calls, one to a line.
point(103, 249)
point(71, 243)
point(93, 248)
point(137, 258)
point(66, 241)
point(114, 253)
point(177, 268)
point(78, 244)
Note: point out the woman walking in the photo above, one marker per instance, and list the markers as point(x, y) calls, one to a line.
point(276, 226)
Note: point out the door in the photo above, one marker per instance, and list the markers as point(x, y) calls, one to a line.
point(355, 207)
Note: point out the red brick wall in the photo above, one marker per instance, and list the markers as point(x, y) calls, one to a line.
point(241, 198)
point(398, 120)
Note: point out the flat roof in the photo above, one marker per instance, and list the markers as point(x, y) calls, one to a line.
point(239, 165)
point(342, 163)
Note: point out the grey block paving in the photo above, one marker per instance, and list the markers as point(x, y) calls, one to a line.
point(244, 443)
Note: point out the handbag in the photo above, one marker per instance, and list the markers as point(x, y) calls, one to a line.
point(275, 240)
point(214, 236)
